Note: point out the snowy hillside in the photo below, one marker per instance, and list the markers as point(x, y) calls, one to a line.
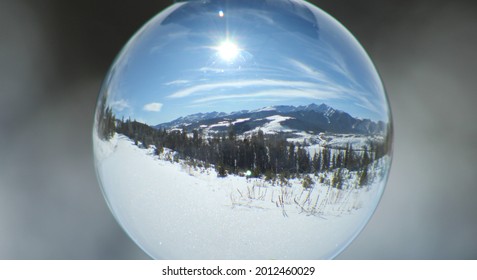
point(181, 210)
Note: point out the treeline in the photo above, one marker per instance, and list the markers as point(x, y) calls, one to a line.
point(106, 120)
point(262, 155)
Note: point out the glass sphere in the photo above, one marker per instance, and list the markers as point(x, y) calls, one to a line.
point(242, 129)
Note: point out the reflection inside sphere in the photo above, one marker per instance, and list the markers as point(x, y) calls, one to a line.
point(242, 130)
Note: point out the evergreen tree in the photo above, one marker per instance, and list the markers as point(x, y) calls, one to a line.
point(307, 182)
point(337, 179)
point(106, 121)
point(291, 163)
point(317, 162)
point(333, 162)
point(231, 133)
point(363, 178)
point(366, 159)
point(326, 159)
point(339, 160)
point(159, 149)
point(303, 159)
point(221, 172)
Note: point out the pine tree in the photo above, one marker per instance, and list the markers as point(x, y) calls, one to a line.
point(366, 159)
point(269, 175)
point(339, 160)
point(159, 149)
point(337, 179)
point(231, 132)
point(333, 161)
point(291, 158)
point(307, 182)
point(317, 162)
point(326, 159)
point(283, 177)
point(303, 159)
point(348, 156)
point(363, 178)
point(106, 120)
point(221, 171)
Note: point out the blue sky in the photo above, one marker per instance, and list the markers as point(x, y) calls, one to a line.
point(197, 57)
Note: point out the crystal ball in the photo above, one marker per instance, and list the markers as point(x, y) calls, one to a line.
point(242, 129)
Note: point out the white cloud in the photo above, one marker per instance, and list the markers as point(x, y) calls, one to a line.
point(280, 93)
point(119, 105)
point(177, 82)
point(319, 75)
point(241, 84)
point(153, 107)
point(303, 67)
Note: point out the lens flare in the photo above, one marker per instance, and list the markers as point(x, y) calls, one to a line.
point(228, 51)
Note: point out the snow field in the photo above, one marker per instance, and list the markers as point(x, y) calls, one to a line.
point(174, 211)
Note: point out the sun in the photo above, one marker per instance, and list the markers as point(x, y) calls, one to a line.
point(228, 51)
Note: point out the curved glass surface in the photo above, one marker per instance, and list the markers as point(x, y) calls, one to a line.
point(242, 130)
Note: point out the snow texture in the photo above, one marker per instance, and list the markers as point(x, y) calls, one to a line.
point(174, 211)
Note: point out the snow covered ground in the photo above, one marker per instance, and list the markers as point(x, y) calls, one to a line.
point(174, 211)
point(273, 126)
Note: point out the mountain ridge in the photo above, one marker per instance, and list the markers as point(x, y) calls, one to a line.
point(280, 118)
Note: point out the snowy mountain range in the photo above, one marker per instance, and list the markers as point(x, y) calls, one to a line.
point(311, 118)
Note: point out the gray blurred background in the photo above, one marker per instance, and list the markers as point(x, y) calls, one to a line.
point(54, 55)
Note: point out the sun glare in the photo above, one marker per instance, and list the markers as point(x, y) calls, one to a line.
point(228, 51)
